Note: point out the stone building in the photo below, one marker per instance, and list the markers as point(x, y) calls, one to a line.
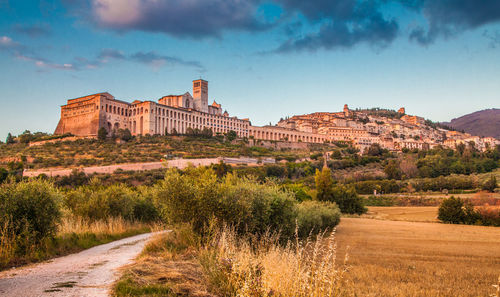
point(84, 116)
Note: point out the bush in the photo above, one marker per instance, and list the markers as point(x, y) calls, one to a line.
point(102, 134)
point(451, 211)
point(316, 216)
point(198, 197)
point(490, 185)
point(97, 202)
point(348, 200)
point(30, 209)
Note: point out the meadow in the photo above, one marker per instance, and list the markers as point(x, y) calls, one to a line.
point(398, 258)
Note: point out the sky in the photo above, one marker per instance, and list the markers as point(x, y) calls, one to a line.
point(264, 59)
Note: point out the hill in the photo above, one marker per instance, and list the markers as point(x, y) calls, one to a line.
point(481, 123)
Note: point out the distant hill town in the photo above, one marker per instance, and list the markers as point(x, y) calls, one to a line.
point(484, 123)
point(185, 113)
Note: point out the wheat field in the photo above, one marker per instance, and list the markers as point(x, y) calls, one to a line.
point(398, 258)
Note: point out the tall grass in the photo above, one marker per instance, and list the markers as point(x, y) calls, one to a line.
point(113, 225)
point(261, 266)
point(73, 234)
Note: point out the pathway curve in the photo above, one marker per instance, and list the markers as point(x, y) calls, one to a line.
point(88, 273)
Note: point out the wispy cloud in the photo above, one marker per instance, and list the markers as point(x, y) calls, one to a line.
point(105, 56)
point(151, 58)
point(22, 52)
point(33, 30)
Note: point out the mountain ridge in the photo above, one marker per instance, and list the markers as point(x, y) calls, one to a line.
point(485, 123)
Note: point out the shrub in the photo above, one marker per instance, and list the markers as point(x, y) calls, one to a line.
point(348, 200)
point(97, 202)
point(30, 209)
point(3, 174)
point(300, 191)
point(102, 133)
point(490, 185)
point(451, 211)
point(198, 197)
point(316, 216)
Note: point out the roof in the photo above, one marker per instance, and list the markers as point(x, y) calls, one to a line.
point(102, 93)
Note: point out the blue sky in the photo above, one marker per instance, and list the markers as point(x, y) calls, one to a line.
point(263, 59)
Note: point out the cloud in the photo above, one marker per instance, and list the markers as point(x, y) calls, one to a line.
point(156, 60)
point(106, 54)
point(24, 53)
point(186, 18)
point(35, 30)
point(344, 24)
point(152, 59)
point(493, 37)
point(449, 17)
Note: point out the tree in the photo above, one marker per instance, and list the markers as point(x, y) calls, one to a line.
point(348, 200)
point(207, 132)
point(491, 184)
point(231, 135)
point(124, 134)
point(102, 134)
point(10, 139)
point(26, 137)
point(3, 174)
point(392, 170)
point(451, 211)
point(324, 184)
point(374, 150)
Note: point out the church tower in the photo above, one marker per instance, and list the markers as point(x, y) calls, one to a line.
point(200, 95)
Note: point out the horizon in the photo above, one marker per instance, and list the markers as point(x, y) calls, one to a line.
point(264, 60)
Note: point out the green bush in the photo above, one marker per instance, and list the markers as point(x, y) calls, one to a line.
point(98, 202)
point(348, 200)
point(30, 209)
point(451, 211)
point(490, 185)
point(315, 216)
point(198, 197)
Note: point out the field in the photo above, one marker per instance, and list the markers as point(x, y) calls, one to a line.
point(403, 213)
point(397, 258)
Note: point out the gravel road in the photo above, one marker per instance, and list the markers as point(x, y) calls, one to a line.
point(88, 273)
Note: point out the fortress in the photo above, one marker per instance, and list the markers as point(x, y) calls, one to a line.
point(174, 114)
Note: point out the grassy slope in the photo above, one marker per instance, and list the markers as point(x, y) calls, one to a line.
point(390, 258)
point(88, 152)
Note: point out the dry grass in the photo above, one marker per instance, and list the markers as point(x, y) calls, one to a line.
point(73, 235)
point(166, 267)
point(403, 213)
point(263, 267)
point(390, 258)
point(117, 225)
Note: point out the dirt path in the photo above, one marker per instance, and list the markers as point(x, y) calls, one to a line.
point(88, 273)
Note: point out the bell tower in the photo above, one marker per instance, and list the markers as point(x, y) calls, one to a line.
point(200, 95)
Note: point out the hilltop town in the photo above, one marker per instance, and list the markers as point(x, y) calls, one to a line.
point(390, 129)
point(179, 114)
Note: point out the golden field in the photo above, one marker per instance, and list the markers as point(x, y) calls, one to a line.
point(403, 213)
point(399, 258)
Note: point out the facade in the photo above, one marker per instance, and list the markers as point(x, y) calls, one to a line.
point(84, 116)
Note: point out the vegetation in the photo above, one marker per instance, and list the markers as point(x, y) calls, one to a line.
point(345, 197)
point(456, 211)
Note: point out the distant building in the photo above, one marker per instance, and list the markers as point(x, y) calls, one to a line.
point(84, 116)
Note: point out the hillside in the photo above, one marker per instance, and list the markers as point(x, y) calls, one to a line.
point(481, 123)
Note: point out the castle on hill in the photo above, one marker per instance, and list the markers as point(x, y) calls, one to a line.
point(172, 114)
